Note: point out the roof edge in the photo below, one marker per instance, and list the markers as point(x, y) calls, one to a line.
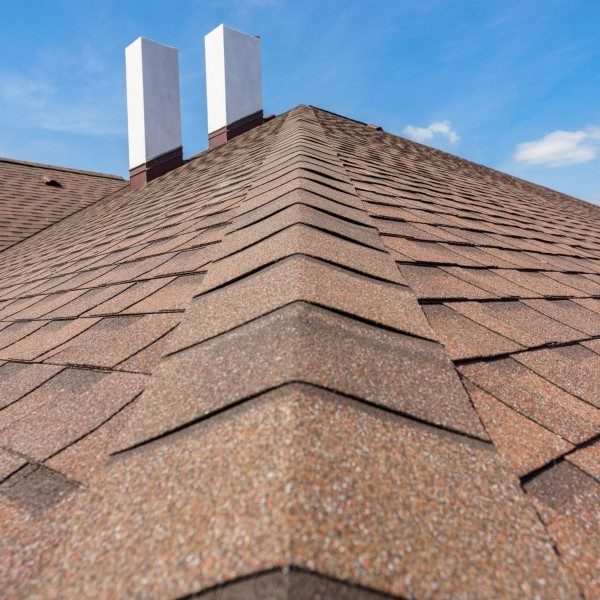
point(15, 161)
point(515, 178)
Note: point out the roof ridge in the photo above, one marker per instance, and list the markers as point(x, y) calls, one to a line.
point(297, 238)
point(408, 285)
point(335, 471)
point(15, 161)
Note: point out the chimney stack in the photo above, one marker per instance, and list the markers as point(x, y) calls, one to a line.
point(233, 84)
point(153, 110)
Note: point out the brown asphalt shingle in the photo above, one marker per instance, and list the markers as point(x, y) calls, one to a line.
point(587, 459)
point(64, 409)
point(263, 340)
point(36, 488)
point(127, 294)
point(573, 368)
point(574, 526)
point(384, 368)
point(9, 463)
point(112, 340)
point(18, 379)
point(435, 282)
point(302, 239)
point(535, 397)
point(570, 313)
point(301, 278)
point(501, 321)
point(28, 204)
point(321, 483)
point(464, 338)
point(491, 281)
point(45, 339)
point(521, 321)
point(286, 584)
point(13, 332)
point(527, 445)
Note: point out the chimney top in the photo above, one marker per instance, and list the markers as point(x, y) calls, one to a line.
point(233, 83)
point(153, 110)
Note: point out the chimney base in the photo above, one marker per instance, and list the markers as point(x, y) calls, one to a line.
point(155, 167)
point(220, 136)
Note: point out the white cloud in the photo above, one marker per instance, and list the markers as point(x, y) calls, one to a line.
point(37, 102)
point(561, 148)
point(426, 134)
point(16, 89)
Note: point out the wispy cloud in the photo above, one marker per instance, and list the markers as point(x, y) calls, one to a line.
point(561, 148)
point(17, 89)
point(437, 129)
point(35, 101)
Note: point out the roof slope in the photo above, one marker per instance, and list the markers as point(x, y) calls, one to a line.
point(318, 347)
point(28, 204)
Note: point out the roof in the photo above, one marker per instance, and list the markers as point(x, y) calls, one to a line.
point(317, 361)
point(31, 200)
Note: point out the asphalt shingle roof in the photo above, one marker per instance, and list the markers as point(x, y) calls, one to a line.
point(34, 196)
point(320, 359)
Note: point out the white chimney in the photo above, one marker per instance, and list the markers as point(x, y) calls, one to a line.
point(153, 110)
point(233, 83)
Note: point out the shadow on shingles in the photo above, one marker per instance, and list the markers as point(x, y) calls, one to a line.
point(287, 584)
point(36, 487)
point(558, 484)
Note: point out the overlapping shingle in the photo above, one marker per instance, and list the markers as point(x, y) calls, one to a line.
point(64, 409)
point(536, 398)
point(18, 379)
point(587, 458)
point(46, 338)
point(568, 502)
point(10, 462)
point(573, 368)
point(295, 476)
point(28, 204)
point(112, 340)
point(299, 404)
point(526, 444)
point(36, 488)
point(463, 337)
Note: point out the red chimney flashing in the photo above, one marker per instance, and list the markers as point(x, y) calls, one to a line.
point(220, 136)
point(141, 175)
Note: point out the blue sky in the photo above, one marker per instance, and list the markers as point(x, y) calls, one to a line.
point(512, 85)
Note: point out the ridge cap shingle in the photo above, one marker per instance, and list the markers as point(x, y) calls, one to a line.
point(295, 408)
point(303, 388)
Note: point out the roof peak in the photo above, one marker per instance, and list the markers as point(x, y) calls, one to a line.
point(318, 345)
